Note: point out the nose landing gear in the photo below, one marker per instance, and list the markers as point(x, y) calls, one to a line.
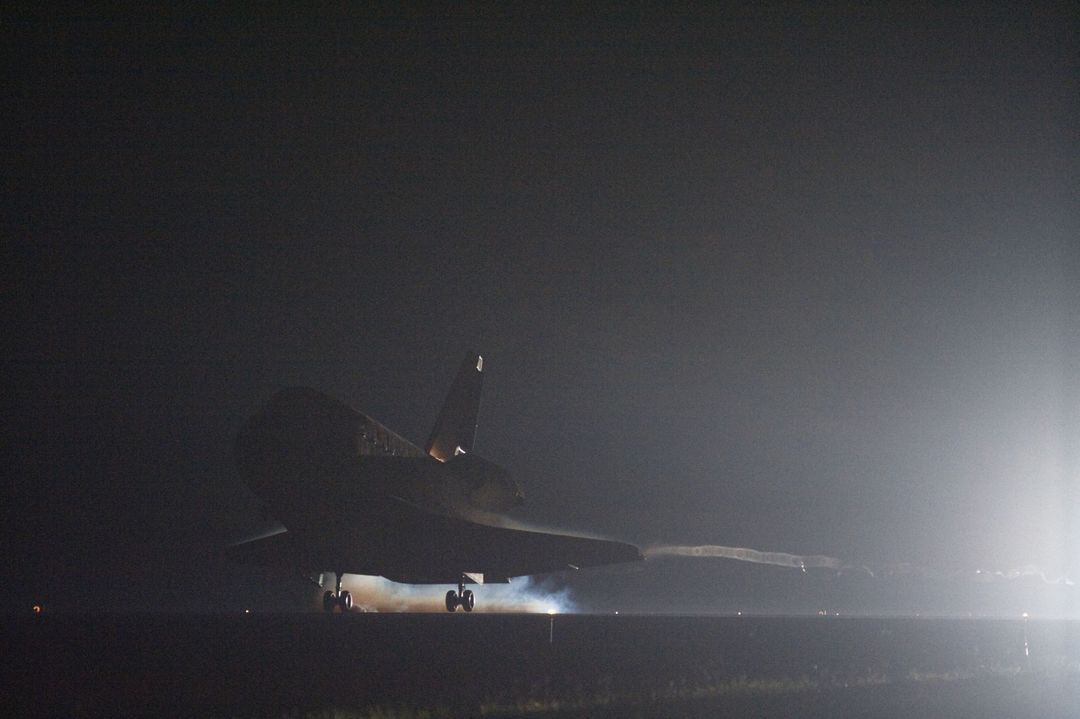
point(461, 598)
point(337, 598)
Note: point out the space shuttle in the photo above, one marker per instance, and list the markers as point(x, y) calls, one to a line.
point(357, 498)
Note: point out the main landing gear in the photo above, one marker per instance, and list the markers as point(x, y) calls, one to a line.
point(337, 598)
point(461, 598)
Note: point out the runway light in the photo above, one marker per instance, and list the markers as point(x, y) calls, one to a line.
point(37, 609)
point(247, 611)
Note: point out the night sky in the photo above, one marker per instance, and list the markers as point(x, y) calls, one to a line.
point(801, 281)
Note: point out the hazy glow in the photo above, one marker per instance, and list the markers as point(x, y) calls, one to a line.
point(1028, 570)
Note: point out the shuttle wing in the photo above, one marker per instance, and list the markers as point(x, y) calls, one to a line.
point(460, 546)
point(275, 550)
point(419, 547)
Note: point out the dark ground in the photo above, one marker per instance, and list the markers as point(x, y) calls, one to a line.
point(402, 665)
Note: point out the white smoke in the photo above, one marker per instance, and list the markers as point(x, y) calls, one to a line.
point(376, 594)
point(818, 561)
point(744, 554)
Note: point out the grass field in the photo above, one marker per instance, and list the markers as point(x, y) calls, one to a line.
point(532, 665)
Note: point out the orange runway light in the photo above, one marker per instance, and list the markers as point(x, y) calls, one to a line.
point(37, 609)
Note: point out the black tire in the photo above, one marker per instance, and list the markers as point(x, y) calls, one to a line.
point(345, 601)
point(468, 601)
point(329, 601)
point(451, 600)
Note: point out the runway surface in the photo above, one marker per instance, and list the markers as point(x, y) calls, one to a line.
point(566, 665)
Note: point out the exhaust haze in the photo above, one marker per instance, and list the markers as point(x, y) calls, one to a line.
point(376, 594)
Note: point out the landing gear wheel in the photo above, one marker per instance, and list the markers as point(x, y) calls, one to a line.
point(345, 601)
point(461, 598)
point(329, 601)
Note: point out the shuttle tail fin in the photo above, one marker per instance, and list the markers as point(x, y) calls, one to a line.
point(456, 427)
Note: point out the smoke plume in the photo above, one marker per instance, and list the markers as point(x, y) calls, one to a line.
point(744, 554)
point(817, 561)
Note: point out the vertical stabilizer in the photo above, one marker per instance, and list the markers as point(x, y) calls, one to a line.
point(454, 431)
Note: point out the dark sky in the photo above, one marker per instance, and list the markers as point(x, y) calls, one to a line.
point(804, 281)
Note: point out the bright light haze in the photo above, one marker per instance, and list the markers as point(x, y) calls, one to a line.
point(797, 281)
